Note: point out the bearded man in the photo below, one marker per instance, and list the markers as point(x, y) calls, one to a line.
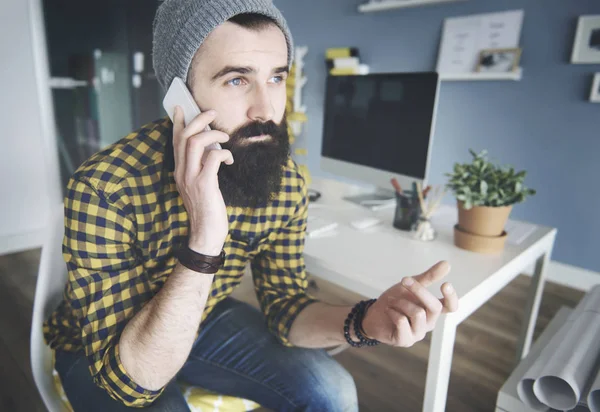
point(159, 230)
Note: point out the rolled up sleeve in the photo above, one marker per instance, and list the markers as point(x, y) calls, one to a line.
point(279, 273)
point(106, 285)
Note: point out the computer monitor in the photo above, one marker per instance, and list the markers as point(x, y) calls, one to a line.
point(380, 126)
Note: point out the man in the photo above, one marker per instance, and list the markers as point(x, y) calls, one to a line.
point(158, 231)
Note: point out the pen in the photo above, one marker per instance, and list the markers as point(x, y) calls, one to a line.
point(396, 185)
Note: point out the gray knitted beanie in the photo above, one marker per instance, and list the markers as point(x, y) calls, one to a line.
point(180, 27)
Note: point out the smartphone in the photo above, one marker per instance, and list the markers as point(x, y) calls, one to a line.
point(179, 95)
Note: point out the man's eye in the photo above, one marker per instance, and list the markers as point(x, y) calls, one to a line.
point(277, 79)
point(235, 82)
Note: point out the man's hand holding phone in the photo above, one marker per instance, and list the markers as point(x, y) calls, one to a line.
point(196, 168)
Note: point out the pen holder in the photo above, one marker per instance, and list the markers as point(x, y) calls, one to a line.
point(407, 212)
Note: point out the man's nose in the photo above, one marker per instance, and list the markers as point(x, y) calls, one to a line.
point(261, 108)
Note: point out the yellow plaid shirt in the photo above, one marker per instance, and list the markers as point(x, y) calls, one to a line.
point(124, 219)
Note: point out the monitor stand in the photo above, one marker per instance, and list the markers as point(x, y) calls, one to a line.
point(380, 197)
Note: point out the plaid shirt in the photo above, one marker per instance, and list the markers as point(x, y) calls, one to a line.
point(124, 219)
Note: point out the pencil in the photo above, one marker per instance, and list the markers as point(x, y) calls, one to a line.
point(427, 189)
point(436, 201)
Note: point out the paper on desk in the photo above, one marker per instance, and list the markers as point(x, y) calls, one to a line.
point(319, 227)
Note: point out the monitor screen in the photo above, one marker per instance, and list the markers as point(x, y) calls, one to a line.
point(383, 121)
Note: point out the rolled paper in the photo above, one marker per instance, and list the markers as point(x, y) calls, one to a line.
point(563, 378)
point(557, 378)
point(593, 399)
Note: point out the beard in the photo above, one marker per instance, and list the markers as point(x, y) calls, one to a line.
point(254, 178)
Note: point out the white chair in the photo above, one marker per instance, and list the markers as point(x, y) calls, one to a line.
point(52, 277)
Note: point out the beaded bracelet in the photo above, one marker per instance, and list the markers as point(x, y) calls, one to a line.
point(347, 328)
point(355, 317)
point(358, 329)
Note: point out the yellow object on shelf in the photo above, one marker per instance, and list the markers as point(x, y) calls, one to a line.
point(337, 52)
point(297, 117)
point(337, 71)
point(295, 110)
point(291, 135)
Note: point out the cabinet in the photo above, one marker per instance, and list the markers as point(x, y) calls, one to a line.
point(68, 91)
point(92, 47)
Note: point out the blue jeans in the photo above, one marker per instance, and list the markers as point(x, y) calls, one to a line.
point(236, 355)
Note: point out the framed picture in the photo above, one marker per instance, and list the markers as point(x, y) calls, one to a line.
point(586, 48)
point(595, 92)
point(498, 60)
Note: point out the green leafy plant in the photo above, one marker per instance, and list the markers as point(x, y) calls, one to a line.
point(482, 183)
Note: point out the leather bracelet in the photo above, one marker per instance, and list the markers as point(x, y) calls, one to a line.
point(198, 262)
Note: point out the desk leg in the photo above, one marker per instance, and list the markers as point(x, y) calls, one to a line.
point(440, 362)
point(531, 309)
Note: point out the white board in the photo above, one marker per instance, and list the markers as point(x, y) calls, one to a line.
point(464, 37)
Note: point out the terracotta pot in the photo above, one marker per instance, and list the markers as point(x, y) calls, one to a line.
point(479, 244)
point(483, 220)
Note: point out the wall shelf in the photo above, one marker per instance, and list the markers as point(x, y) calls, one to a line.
point(514, 76)
point(397, 4)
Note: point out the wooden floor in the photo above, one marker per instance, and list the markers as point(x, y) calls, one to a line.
point(388, 379)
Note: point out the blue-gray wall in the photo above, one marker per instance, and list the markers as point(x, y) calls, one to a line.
point(543, 123)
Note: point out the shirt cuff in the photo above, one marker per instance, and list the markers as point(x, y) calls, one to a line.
point(286, 313)
point(119, 385)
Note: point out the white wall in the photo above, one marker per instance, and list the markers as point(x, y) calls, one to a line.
point(29, 182)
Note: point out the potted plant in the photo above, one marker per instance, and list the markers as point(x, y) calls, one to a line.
point(485, 193)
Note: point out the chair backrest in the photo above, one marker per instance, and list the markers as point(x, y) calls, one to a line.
point(52, 277)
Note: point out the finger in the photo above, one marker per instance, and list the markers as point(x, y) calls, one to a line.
point(450, 299)
point(183, 134)
point(427, 300)
point(196, 146)
point(178, 126)
point(406, 295)
point(214, 160)
point(416, 315)
point(435, 273)
point(178, 121)
point(199, 123)
point(401, 334)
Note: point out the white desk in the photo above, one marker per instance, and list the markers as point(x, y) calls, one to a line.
point(370, 261)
